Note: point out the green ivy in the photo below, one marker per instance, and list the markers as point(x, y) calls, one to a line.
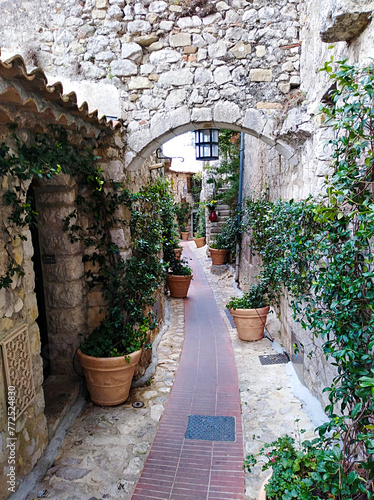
point(321, 252)
point(129, 293)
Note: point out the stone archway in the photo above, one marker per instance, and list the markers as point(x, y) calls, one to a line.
point(224, 115)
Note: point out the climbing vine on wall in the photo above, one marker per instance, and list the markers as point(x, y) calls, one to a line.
point(321, 251)
point(101, 207)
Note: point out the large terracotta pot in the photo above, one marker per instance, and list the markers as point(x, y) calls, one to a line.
point(185, 235)
point(178, 285)
point(109, 379)
point(262, 492)
point(200, 242)
point(218, 256)
point(250, 323)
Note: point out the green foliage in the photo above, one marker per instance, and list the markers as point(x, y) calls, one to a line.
point(128, 286)
point(200, 222)
point(307, 471)
point(321, 252)
point(227, 172)
point(196, 183)
point(229, 236)
point(259, 295)
point(182, 213)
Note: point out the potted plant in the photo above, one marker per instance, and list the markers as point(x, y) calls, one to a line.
point(211, 206)
point(111, 352)
point(250, 311)
point(309, 470)
point(182, 213)
point(199, 239)
point(178, 278)
point(218, 250)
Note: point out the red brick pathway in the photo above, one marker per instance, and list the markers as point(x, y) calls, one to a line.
point(206, 384)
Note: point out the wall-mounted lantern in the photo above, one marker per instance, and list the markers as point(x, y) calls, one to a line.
point(206, 144)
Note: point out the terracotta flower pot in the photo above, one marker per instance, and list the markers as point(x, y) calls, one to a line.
point(178, 252)
point(185, 235)
point(178, 285)
point(262, 492)
point(109, 379)
point(200, 242)
point(218, 256)
point(250, 323)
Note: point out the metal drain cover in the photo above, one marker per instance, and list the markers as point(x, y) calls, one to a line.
point(231, 319)
point(210, 428)
point(274, 359)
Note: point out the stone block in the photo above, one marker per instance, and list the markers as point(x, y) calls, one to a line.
point(189, 22)
point(217, 50)
point(155, 47)
point(139, 27)
point(132, 51)
point(226, 112)
point(261, 75)
point(177, 78)
point(241, 50)
point(190, 49)
point(101, 4)
point(140, 82)
point(255, 121)
point(260, 51)
point(98, 14)
point(60, 295)
point(164, 56)
point(123, 68)
point(146, 40)
point(180, 40)
point(343, 20)
point(222, 75)
point(201, 115)
point(269, 105)
point(203, 76)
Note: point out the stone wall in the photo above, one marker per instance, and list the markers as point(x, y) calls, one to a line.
point(173, 69)
point(301, 126)
point(71, 309)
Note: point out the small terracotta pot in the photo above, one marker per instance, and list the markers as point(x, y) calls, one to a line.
point(178, 252)
point(178, 285)
point(200, 242)
point(185, 235)
point(109, 379)
point(250, 323)
point(218, 256)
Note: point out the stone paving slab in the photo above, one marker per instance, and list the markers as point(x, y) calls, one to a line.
point(105, 450)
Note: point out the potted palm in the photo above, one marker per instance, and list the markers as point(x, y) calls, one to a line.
point(250, 311)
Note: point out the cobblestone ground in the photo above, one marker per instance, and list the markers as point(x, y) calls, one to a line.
point(104, 451)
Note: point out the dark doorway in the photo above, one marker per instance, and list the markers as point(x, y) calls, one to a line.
point(39, 286)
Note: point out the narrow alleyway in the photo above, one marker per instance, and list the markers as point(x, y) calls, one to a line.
point(141, 452)
point(192, 456)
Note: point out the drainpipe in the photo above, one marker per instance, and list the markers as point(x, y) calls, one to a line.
point(240, 197)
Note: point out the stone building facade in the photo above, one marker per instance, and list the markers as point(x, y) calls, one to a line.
point(165, 68)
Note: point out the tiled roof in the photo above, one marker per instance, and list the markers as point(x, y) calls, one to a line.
point(28, 94)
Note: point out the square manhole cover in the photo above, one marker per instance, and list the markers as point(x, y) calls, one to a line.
point(210, 428)
point(274, 359)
